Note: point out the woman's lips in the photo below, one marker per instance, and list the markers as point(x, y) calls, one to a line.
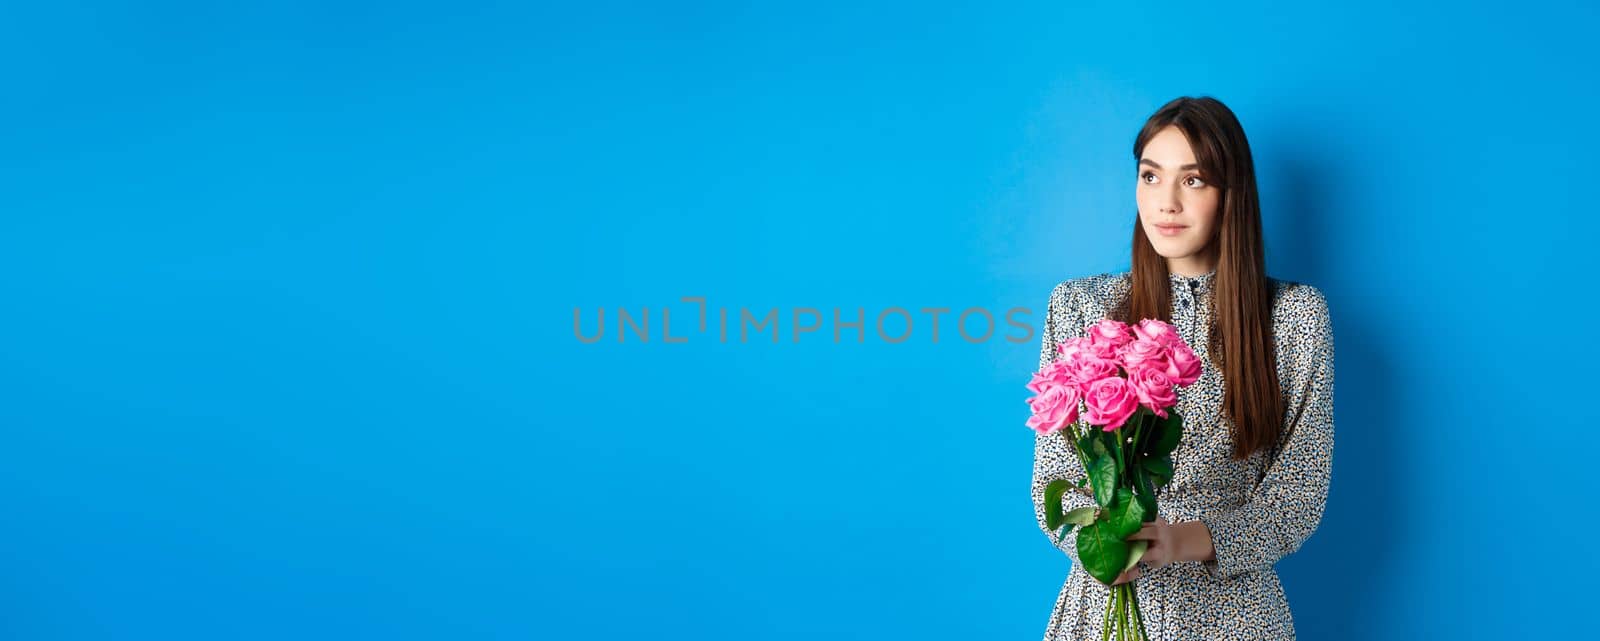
point(1170, 230)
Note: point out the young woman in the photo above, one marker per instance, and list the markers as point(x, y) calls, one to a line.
point(1252, 471)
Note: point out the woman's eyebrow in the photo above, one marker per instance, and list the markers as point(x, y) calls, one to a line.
point(1152, 163)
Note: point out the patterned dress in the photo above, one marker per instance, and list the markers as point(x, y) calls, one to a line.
point(1258, 510)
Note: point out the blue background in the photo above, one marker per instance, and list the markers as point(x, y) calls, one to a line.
point(289, 292)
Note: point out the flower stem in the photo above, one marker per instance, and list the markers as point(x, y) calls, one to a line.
point(1137, 431)
point(1122, 465)
point(1138, 617)
point(1116, 614)
point(1111, 614)
point(1123, 629)
point(1105, 621)
point(1083, 458)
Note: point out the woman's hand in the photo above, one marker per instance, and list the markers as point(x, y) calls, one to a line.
point(1165, 543)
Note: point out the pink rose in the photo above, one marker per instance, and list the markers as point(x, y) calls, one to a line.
point(1107, 337)
point(1110, 402)
point(1152, 329)
point(1103, 349)
point(1108, 330)
point(1084, 364)
point(1073, 346)
point(1054, 408)
point(1183, 367)
point(1084, 369)
point(1143, 353)
point(1055, 373)
point(1154, 389)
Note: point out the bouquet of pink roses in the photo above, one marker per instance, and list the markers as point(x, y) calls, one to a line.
point(1125, 379)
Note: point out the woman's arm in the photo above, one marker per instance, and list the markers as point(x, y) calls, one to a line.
point(1286, 507)
point(1194, 542)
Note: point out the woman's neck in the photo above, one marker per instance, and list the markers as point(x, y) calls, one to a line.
point(1191, 266)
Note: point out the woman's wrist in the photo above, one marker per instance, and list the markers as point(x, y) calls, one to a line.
point(1194, 542)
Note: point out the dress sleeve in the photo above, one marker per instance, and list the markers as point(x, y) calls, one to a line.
point(1287, 505)
point(1053, 457)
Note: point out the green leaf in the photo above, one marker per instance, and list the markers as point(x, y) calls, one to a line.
point(1094, 443)
point(1126, 514)
point(1150, 508)
point(1102, 553)
point(1107, 442)
point(1142, 423)
point(1141, 480)
point(1113, 441)
point(1135, 552)
point(1077, 517)
point(1103, 476)
point(1083, 482)
point(1052, 502)
point(1064, 532)
point(1145, 493)
point(1159, 468)
point(1165, 434)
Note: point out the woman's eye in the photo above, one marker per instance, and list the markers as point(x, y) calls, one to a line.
point(1145, 176)
point(1197, 181)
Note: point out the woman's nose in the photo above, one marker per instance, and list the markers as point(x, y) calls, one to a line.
point(1170, 203)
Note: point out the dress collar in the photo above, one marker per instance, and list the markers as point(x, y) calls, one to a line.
point(1201, 283)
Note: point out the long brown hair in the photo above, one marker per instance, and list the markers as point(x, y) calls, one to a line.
point(1241, 297)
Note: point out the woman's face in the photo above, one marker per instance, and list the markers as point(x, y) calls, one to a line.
point(1171, 192)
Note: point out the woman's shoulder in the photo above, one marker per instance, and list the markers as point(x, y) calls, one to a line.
point(1292, 298)
point(1300, 309)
